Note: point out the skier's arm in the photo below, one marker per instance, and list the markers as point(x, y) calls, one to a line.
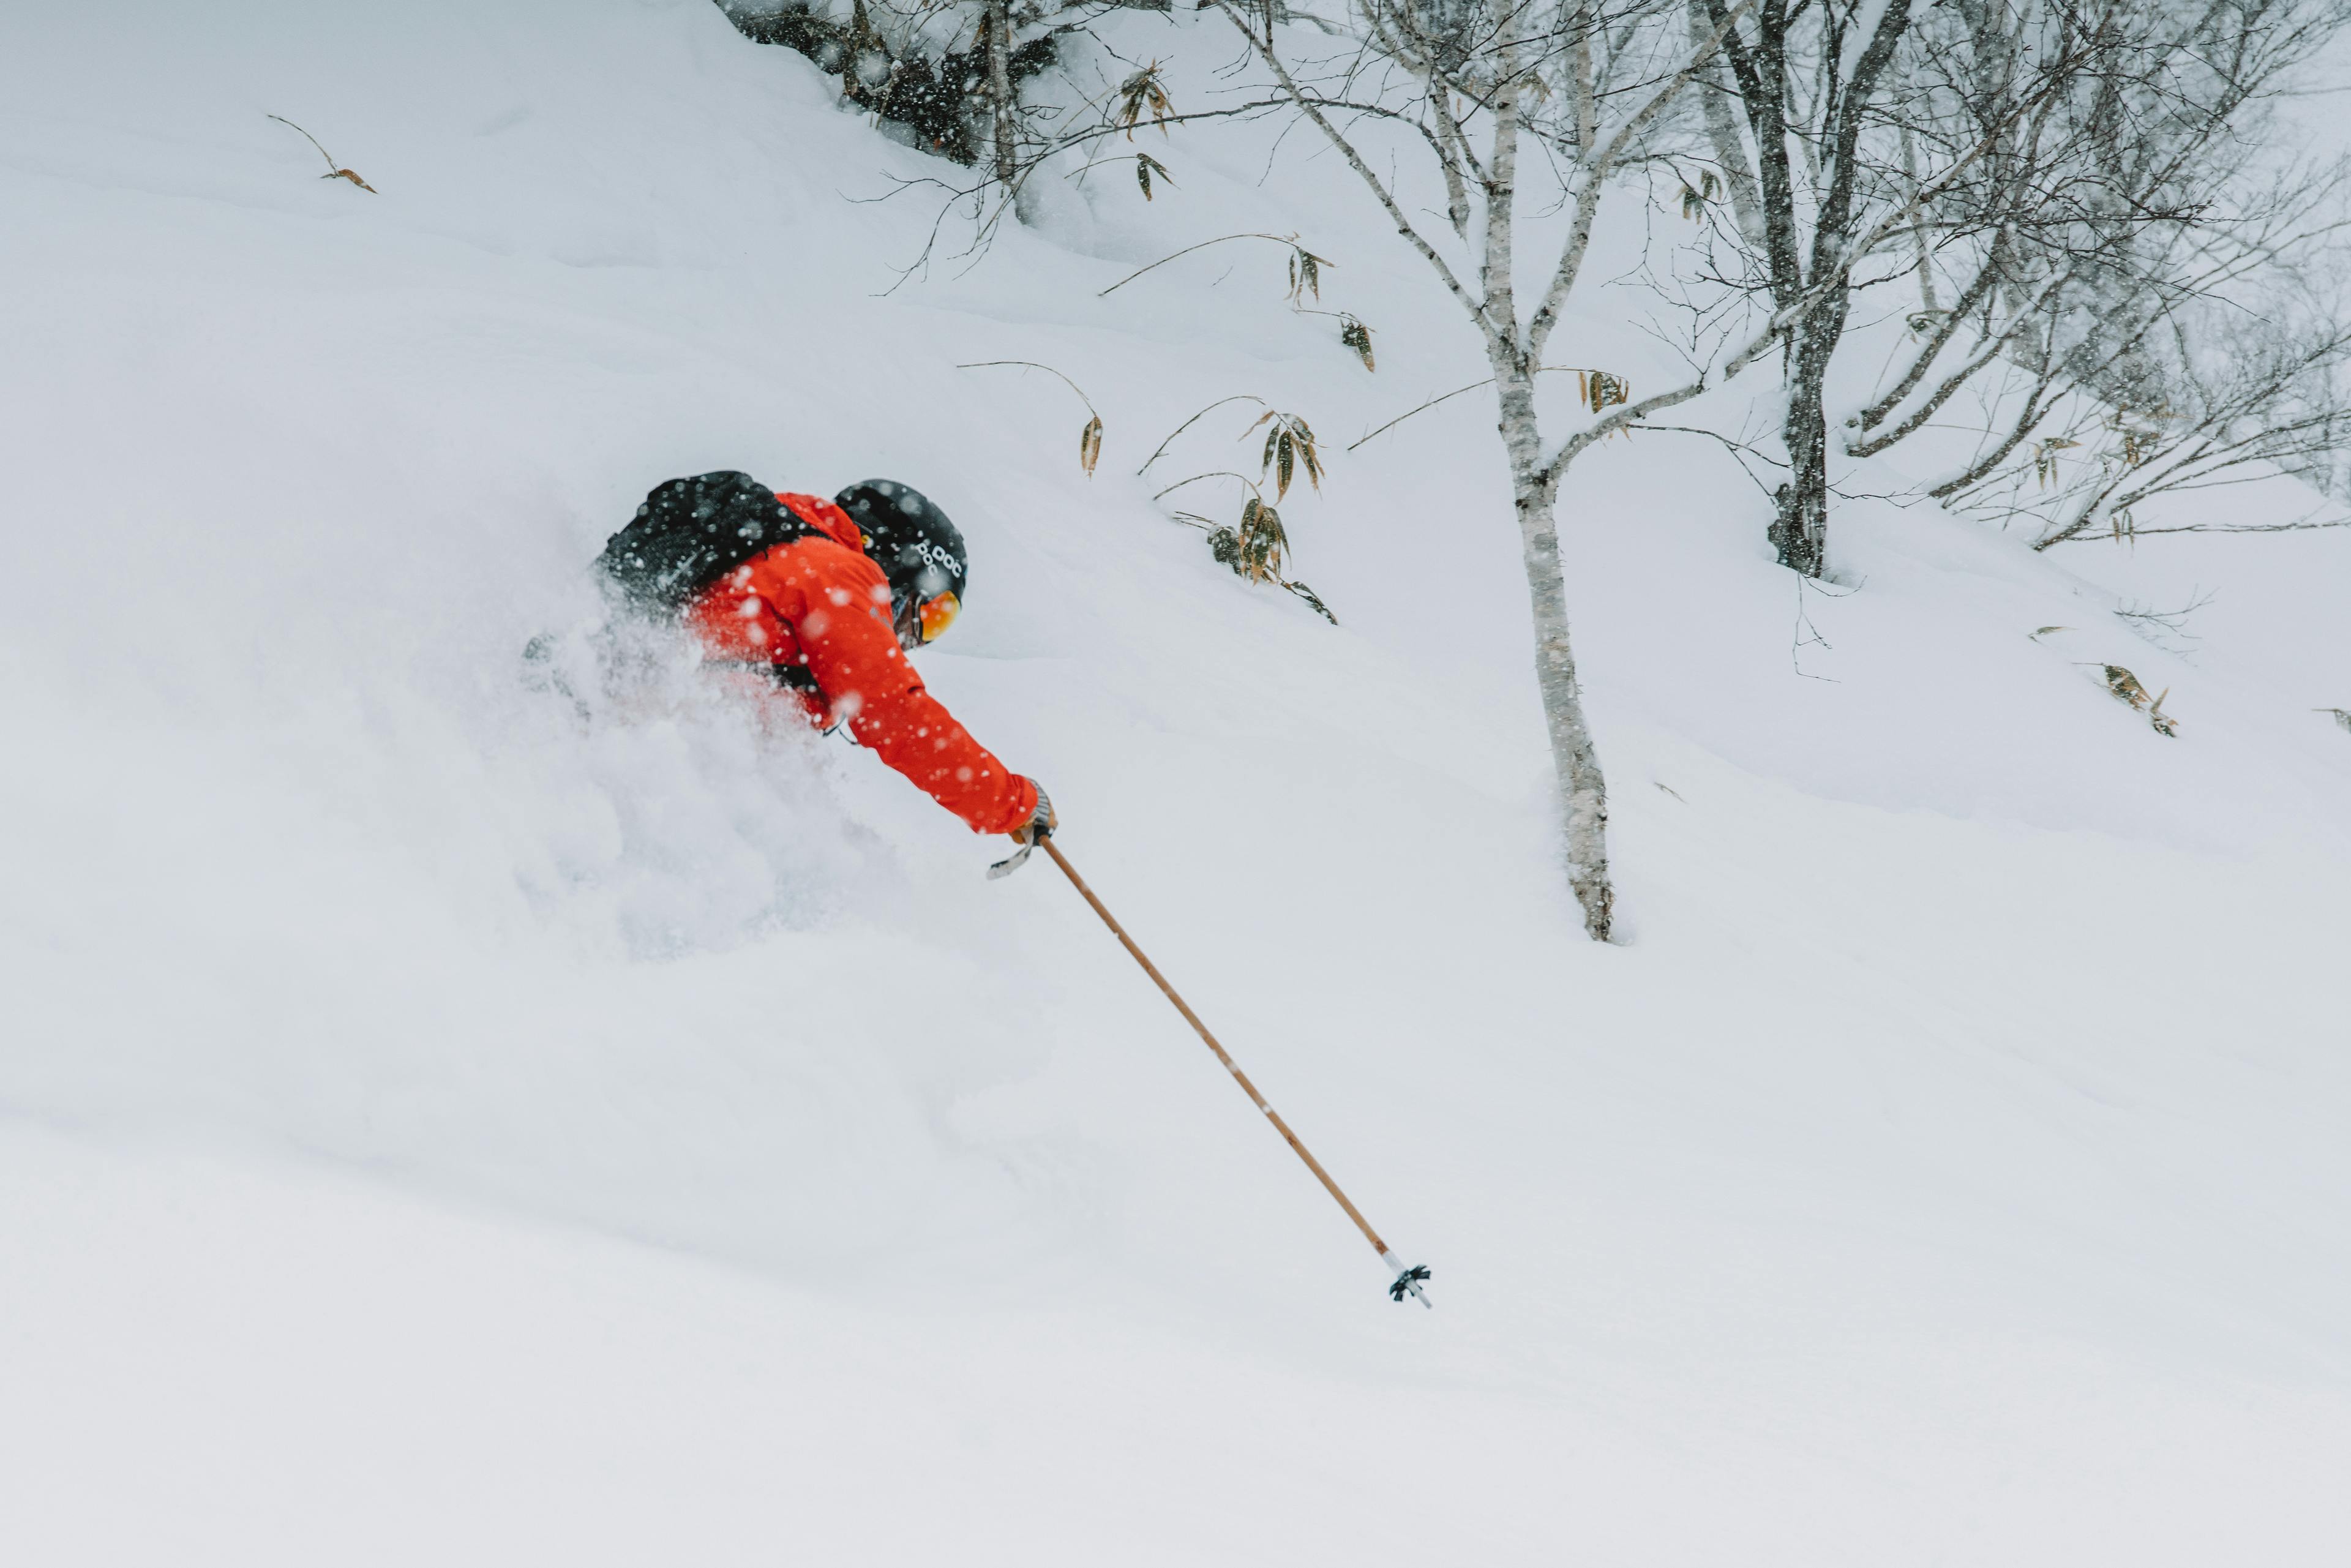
point(841, 615)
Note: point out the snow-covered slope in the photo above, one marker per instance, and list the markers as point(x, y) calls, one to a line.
point(433, 1125)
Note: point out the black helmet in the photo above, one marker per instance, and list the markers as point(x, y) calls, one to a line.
point(917, 549)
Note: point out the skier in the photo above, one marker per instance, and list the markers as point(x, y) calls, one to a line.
point(826, 599)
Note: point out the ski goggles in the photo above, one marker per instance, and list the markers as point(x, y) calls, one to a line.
point(935, 615)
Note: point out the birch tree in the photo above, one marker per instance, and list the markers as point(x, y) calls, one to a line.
point(1477, 90)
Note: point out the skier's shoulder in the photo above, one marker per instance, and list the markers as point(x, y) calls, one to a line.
point(820, 562)
point(826, 518)
point(808, 581)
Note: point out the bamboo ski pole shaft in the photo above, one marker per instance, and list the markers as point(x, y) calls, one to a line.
point(1408, 1280)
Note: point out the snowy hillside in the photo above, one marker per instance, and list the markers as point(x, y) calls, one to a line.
point(437, 1125)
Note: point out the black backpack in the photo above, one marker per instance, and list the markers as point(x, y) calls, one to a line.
point(691, 532)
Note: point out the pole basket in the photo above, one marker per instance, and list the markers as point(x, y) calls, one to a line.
point(1407, 1283)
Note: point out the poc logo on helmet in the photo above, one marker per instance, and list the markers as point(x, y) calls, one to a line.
point(931, 555)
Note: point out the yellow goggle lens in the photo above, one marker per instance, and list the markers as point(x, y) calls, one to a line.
point(938, 614)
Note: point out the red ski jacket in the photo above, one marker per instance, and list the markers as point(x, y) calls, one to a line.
point(818, 603)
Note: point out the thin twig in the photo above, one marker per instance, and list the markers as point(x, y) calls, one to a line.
point(1237, 397)
point(331, 165)
point(1033, 365)
point(1217, 474)
point(1432, 402)
point(2135, 532)
point(334, 171)
point(1457, 391)
point(1291, 241)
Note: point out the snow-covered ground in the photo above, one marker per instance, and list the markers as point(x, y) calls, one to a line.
point(432, 1126)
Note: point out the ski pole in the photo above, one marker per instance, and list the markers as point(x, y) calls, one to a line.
point(1407, 1278)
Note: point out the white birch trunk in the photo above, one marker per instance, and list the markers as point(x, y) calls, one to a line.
point(1729, 152)
point(1583, 790)
point(1514, 352)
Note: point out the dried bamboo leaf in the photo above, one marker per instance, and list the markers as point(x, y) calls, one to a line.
point(1266, 550)
point(1286, 459)
point(1251, 542)
point(2127, 689)
point(1138, 92)
point(1313, 600)
point(1145, 166)
point(2045, 457)
point(1090, 442)
point(2125, 685)
point(1353, 334)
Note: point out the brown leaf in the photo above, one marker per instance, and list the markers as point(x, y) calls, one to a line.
point(1286, 460)
point(1602, 391)
point(1313, 601)
point(354, 179)
point(1257, 546)
point(1090, 446)
point(1145, 165)
point(2045, 457)
point(2127, 688)
point(1140, 91)
point(1252, 542)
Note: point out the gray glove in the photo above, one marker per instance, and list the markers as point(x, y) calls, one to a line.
point(1040, 820)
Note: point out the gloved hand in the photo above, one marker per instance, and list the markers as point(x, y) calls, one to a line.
point(1041, 818)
